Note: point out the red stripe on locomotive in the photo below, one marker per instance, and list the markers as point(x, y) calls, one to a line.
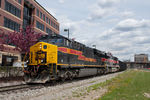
point(75, 52)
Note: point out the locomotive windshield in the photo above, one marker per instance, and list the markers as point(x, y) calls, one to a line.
point(52, 39)
point(44, 38)
point(56, 41)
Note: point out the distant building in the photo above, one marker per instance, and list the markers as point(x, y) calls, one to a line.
point(141, 58)
point(16, 15)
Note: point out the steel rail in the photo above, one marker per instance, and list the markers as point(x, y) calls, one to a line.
point(17, 87)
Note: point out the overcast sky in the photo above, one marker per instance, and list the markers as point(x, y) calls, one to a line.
point(121, 27)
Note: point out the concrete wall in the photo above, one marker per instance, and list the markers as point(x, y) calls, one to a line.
point(11, 71)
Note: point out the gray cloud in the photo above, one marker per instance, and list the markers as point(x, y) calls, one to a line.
point(103, 8)
point(61, 1)
point(127, 14)
point(132, 24)
point(131, 38)
point(107, 3)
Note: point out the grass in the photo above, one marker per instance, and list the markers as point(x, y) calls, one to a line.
point(130, 85)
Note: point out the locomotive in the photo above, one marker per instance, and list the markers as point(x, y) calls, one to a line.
point(56, 57)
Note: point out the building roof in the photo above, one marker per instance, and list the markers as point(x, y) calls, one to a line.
point(45, 10)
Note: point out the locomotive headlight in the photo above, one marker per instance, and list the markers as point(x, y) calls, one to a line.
point(42, 61)
point(40, 46)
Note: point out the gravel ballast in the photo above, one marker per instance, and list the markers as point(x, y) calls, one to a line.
point(67, 91)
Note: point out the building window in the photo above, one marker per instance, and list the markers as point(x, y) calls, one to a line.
point(49, 22)
point(54, 25)
point(40, 26)
point(11, 24)
point(0, 3)
point(46, 19)
point(12, 9)
point(26, 16)
point(20, 1)
point(37, 12)
point(49, 31)
point(57, 27)
point(43, 17)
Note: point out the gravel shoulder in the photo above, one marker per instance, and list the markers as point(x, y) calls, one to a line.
point(11, 83)
point(75, 90)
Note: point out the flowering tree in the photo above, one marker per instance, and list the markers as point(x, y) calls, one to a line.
point(22, 40)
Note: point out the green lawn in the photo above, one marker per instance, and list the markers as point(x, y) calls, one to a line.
point(131, 85)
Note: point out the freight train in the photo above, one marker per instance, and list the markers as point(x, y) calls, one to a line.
point(56, 57)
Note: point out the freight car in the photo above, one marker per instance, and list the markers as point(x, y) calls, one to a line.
point(56, 57)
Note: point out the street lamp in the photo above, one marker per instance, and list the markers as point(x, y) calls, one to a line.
point(66, 31)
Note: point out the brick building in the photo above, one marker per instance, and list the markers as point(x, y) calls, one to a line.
point(17, 14)
point(141, 58)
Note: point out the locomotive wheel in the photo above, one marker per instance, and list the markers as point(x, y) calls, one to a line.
point(71, 78)
point(70, 75)
point(63, 78)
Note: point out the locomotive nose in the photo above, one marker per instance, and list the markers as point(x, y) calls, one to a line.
point(43, 53)
point(42, 62)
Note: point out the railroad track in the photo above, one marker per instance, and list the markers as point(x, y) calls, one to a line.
point(38, 86)
point(19, 87)
point(10, 89)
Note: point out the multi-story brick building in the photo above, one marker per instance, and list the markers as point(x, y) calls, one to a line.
point(17, 14)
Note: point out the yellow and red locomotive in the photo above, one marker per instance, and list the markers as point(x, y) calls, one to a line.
point(55, 57)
